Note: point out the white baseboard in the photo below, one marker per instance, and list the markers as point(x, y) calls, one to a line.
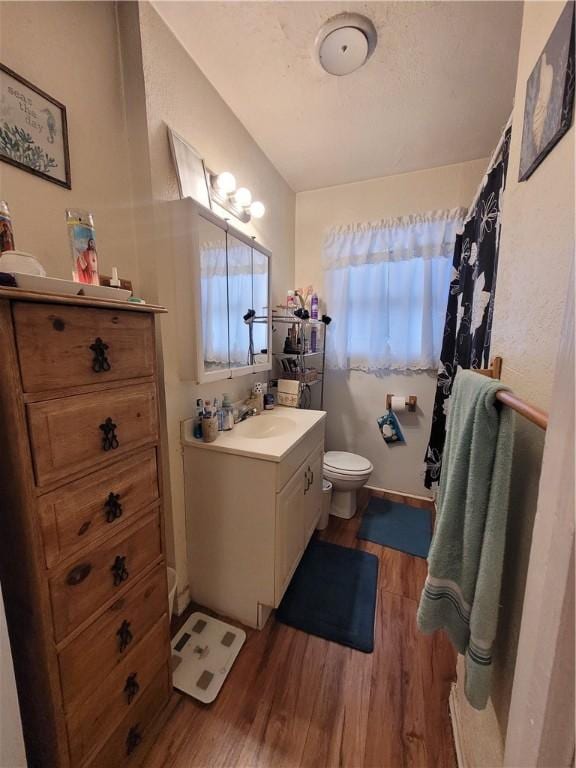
point(476, 732)
point(456, 727)
point(182, 600)
point(398, 493)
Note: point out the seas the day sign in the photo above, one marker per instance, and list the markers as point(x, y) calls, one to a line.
point(33, 130)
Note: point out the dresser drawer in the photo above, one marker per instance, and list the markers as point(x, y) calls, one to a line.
point(102, 646)
point(97, 716)
point(80, 513)
point(83, 586)
point(132, 739)
point(72, 346)
point(77, 434)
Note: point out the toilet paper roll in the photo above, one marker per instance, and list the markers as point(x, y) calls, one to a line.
point(398, 403)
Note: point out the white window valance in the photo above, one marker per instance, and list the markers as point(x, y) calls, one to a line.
point(420, 236)
point(386, 285)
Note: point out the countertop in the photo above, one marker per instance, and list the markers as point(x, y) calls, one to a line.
point(272, 448)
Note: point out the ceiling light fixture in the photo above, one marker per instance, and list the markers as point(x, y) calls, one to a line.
point(345, 43)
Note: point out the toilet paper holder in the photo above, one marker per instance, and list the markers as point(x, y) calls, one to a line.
point(411, 401)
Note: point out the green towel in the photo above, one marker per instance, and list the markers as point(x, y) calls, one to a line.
point(461, 593)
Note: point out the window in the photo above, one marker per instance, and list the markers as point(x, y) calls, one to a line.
point(386, 287)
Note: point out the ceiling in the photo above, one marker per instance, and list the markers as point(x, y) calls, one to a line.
point(437, 90)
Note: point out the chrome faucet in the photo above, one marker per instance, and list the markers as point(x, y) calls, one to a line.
point(246, 412)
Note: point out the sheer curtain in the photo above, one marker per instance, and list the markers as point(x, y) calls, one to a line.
point(386, 285)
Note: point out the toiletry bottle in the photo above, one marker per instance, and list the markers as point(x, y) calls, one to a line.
point(217, 411)
point(115, 280)
point(227, 413)
point(313, 338)
point(198, 420)
point(314, 306)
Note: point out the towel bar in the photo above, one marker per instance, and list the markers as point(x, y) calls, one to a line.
point(531, 412)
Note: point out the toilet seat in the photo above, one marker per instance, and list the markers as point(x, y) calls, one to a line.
point(347, 472)
point(346, 465)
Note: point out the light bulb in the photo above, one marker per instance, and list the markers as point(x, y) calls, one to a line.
point(257, 209)
point(225, 183)
point(243, 197)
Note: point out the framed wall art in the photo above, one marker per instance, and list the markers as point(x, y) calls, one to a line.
point(190, 170)
point(549, 103)
point(33, 130)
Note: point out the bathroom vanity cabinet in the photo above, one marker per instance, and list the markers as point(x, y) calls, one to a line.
point(82, 546)
point(253, 499)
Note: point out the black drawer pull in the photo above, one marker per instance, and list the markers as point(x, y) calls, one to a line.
point(119, 570)
point(109, 441)
point(100, 362)
point(133, 739)
point(78, 574)
point(124, 635)
point(132, 687)
point(113, 507)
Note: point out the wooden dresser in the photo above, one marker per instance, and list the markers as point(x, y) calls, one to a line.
point(82, 537)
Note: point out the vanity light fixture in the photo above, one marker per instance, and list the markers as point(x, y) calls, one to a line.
point(243, 197)
point(237, 201)
point(224, 182)
point(257, 209)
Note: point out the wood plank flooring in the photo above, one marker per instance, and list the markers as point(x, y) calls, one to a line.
point(296, 700)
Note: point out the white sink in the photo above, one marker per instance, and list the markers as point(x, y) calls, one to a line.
point(264, 426)
point(270, 436)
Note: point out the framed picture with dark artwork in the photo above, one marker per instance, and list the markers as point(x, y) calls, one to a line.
point(549, 101)
point(33, 130)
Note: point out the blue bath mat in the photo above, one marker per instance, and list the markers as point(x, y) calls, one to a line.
point(398, 526)
point(333, 595)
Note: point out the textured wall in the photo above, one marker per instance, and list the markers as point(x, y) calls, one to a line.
point(536, 251)
point(355, 399)
point(71, 52)
point(178, 94)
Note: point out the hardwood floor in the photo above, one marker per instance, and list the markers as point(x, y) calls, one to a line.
point(296, 700)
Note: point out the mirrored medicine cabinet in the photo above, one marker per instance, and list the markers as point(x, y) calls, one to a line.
point(222, 286)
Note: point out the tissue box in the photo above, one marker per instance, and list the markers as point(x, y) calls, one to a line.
point(288, 393)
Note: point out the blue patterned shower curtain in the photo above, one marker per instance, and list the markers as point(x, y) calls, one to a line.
point(466, 342)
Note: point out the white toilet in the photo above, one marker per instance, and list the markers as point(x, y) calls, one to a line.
point(347, 472)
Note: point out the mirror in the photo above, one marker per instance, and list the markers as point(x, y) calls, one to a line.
point(239, 301)
point(260, 305)
point(213, 296)
point(230, 275)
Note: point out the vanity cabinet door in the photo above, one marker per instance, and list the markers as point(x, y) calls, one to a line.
point(313, 492)
point(289, 531)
